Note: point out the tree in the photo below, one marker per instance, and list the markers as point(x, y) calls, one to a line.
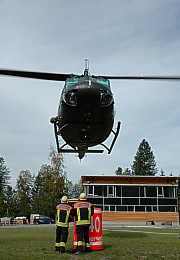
point(24, 187)
point(144, 161)
point(119, 171)
point(1, 204)
point(50, 185)
point(127, 172)
point(76, 189)
point(10, 202)
point(4, 182)
point(4, 174)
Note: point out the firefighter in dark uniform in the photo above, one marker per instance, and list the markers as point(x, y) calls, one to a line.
point(63, 216)
point(83, 210)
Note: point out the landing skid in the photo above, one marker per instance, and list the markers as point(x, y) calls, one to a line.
point(80, 152)
point(114, 139)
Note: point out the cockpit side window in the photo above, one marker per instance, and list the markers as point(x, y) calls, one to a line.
point(71, 81)
point(103, 81)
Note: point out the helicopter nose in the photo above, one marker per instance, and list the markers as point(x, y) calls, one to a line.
point(88, 95)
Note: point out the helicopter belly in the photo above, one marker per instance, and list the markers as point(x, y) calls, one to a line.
point(87, 134)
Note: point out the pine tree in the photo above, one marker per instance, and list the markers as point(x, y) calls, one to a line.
point(4, 175)
point(119, 171)
point(4, 181)
point(144, 161)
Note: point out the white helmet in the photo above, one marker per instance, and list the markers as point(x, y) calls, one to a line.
point(64, 199)
point(82, 196)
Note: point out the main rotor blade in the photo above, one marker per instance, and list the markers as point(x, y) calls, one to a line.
point(34, 75)
point(63, 77)
point(143, 77)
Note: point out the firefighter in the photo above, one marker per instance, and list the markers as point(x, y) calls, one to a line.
point(83, 210)
point(63, 216)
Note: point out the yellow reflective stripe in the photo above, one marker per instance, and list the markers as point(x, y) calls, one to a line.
point(89, 214)
point(58, 212)
point(57, 244)
point(78, 214)
point(83, 222)
point(87, 245)
point(62, 224)
point(62, 244)
point(80, 243)
point(67, 216)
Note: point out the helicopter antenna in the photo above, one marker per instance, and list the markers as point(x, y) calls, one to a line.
point(86, 71)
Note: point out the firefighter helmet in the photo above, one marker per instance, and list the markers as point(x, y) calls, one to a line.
point(64, 199)
point(82, 196)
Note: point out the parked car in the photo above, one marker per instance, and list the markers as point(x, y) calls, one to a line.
point(43, 220)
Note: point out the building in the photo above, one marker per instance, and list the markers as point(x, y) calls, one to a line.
point(141, 200)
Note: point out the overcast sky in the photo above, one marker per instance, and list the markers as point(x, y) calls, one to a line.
point(119, 37)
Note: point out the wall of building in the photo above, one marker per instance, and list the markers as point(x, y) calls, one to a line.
point(139, 200)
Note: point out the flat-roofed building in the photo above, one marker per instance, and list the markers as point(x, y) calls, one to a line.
point(134, 199)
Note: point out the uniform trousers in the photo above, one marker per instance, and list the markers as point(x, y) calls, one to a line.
point(61, 236)
point(82, 232)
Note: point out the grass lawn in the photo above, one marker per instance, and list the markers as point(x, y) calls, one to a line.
point(119, 243)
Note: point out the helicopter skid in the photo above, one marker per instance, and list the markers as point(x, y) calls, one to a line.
point(61, 150)
point(114, 139)
point(81, 151)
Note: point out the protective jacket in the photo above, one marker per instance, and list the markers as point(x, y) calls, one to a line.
point(83, 211)
point(63, 215)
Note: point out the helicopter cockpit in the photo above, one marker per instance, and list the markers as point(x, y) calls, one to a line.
point(106, 97)
point(73, 80)
point(103, 81)
point(70, 94)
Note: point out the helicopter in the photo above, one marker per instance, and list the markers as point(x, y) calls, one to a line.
point(86, 109)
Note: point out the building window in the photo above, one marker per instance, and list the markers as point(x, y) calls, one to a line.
point(118, 191)
point(167, 209)
point(130, 208)
point(112, 201)
point(98, 190)
point(106, 208)
point(148, 208)
point(142, 191)
point(105, 191)
point(112, 208)
point(121, 208)
point(160, 191)
point(130, 191)
point(154, 208)
point(89, 190)
point(169, 192)
point(139, 209)
point(130, 201)
point(151, 191)
point(110, 190)
point(169, 201)
point(148, 201)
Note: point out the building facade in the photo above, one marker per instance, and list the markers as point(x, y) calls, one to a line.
point(135, 199)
